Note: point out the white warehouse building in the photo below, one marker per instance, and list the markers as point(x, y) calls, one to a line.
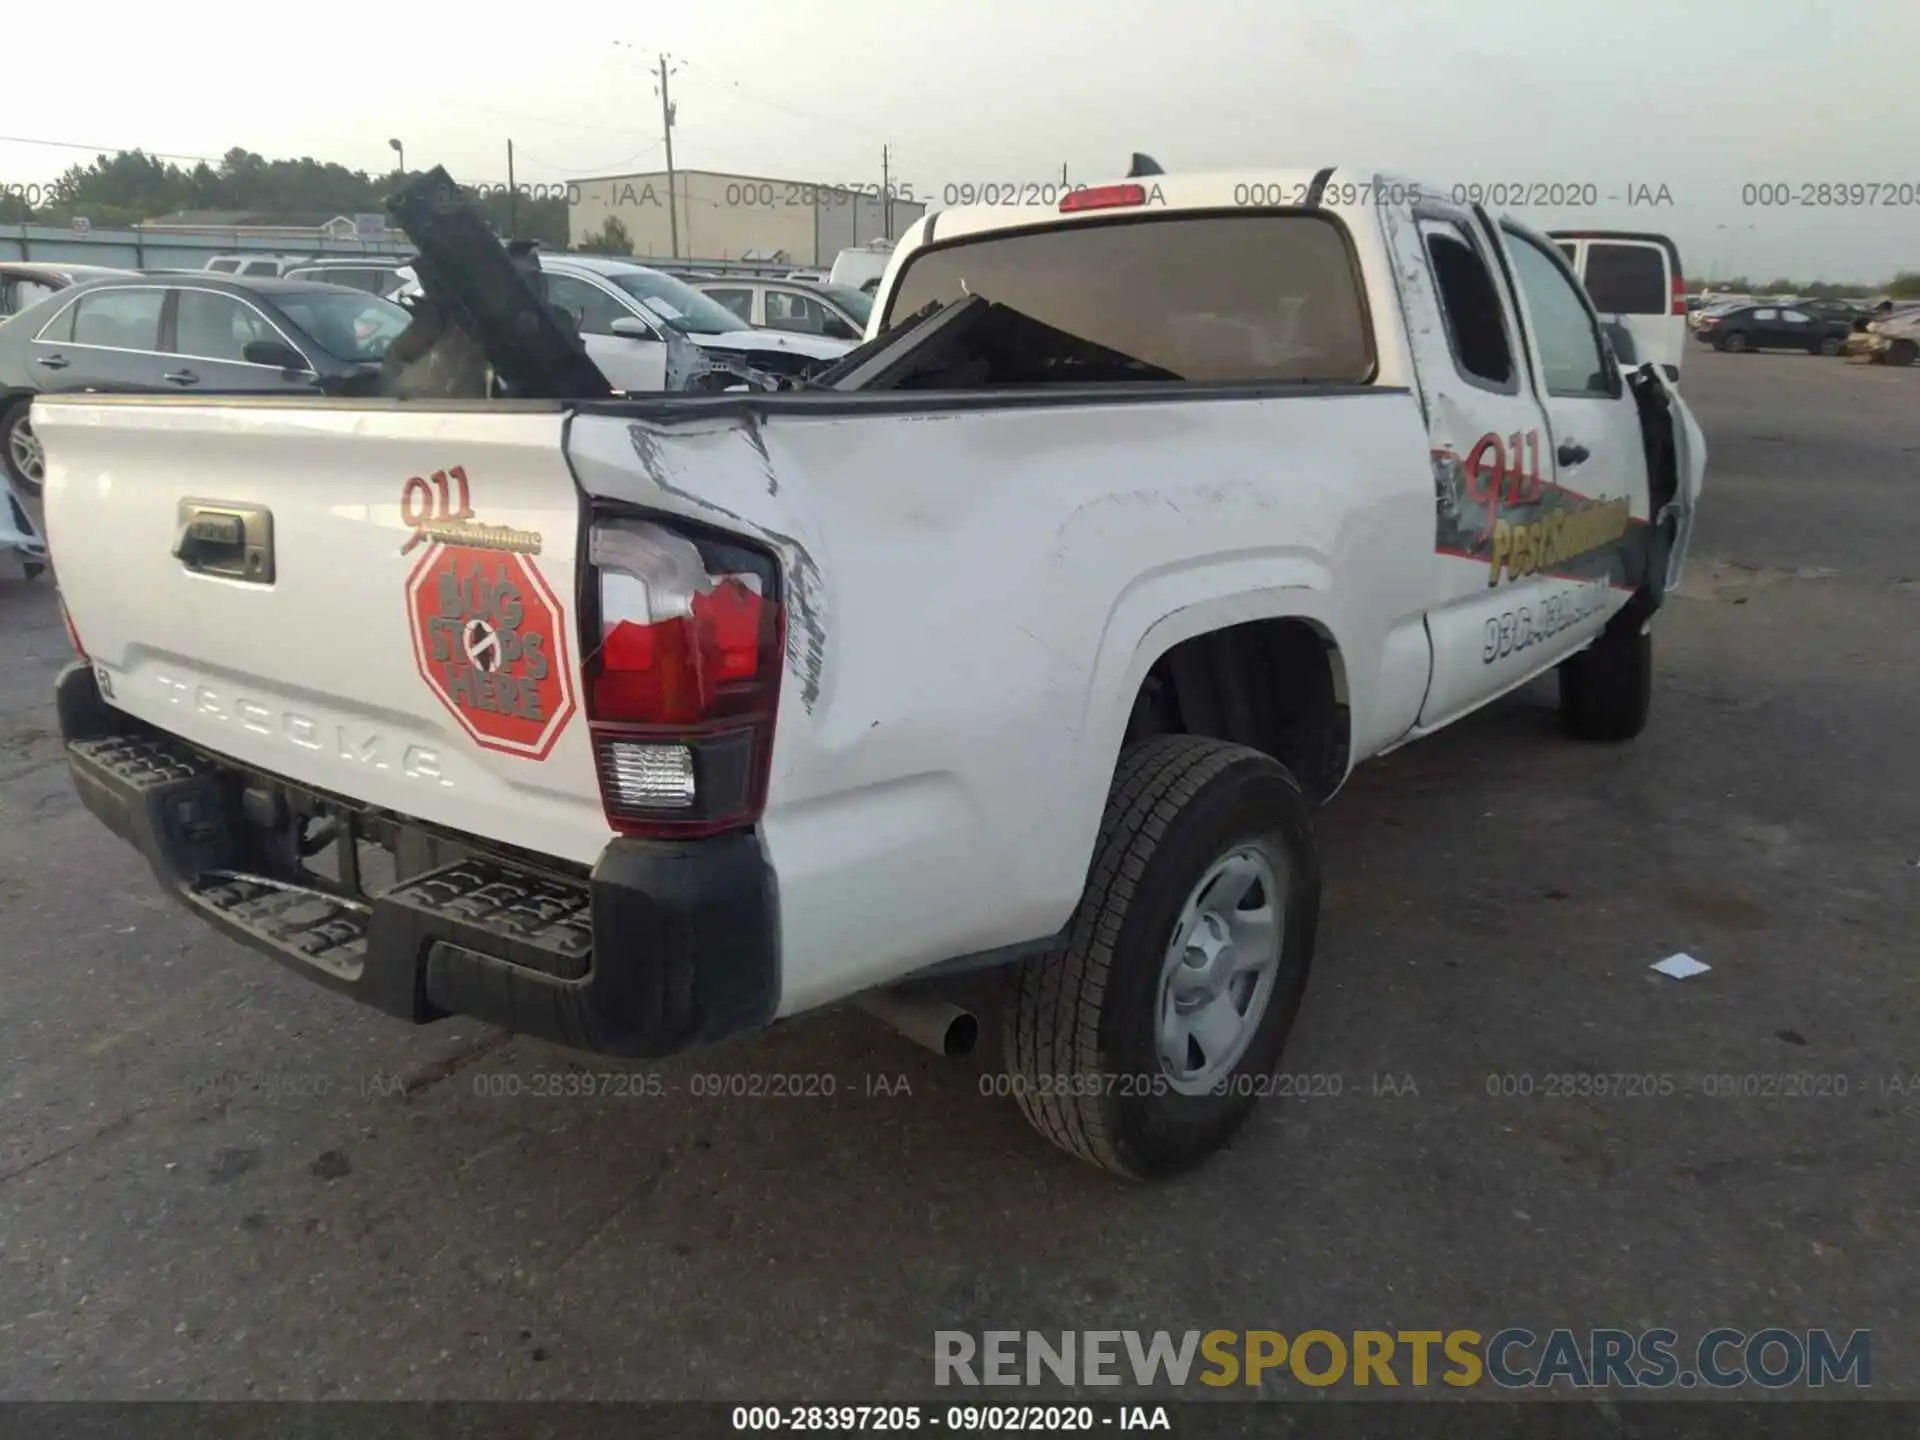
point(737, 217)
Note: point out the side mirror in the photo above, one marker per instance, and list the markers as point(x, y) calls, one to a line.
point(632, 327)
point(275, 353)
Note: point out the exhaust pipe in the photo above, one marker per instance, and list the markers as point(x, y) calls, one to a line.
point(943, 1028)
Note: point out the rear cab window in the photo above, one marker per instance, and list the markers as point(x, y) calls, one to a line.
point(1249, 297)
point(1626, 277)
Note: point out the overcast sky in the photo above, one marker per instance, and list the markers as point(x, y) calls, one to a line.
point(1704, 98)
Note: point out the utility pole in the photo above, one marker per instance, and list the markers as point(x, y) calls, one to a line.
point(886, 194)
point(666, 123)
point(513, 198)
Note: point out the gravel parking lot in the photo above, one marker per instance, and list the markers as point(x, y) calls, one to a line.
point(218, 1181)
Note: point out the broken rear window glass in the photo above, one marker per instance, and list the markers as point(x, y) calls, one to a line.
point(1213, 298)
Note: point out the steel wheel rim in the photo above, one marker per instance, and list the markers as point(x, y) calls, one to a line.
point(24, 448)
point(1221, 966)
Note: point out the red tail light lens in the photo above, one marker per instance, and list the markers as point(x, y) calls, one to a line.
point(1104, 197)
point(66, 618)
point(1679, 295)
point(683, 677)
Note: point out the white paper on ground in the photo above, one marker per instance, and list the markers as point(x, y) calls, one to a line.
point(1680, 966)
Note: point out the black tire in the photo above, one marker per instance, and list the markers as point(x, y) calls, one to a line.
point(1080, 1037)
point(1831, 345)
point(1902, 352)
point(12, 415)
point(1606, 691)
point(1735, 342)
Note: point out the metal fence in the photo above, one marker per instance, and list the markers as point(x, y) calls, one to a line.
point(142, 249)
point(145, 249)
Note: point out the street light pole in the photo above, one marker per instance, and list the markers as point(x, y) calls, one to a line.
point(401, 151)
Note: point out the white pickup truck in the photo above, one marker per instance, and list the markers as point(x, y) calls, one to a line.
point(1031, 636)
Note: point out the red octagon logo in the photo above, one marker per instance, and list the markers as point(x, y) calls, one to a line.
point(490, 640)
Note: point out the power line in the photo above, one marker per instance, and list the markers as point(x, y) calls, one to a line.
point(610, 168)
point(106, 149)
point(734, 88)
point(542, 119)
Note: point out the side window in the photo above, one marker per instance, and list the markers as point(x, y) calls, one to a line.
point(60, 328)
point(1570, 352)
point(224, 267)
point(208, 326)
point(740, 302)
point(1470, 303)
point(592, 308)
point(119, 319)
point(1571, 251)
point(1764, 315)
point(261, 267)
point(1627, 279)
point(1796, 317)
point(790, 310)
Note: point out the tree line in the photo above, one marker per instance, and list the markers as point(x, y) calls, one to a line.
point(1904, 286)
point(132, 186)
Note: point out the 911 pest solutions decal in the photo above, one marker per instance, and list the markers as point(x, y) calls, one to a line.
point(489, 637)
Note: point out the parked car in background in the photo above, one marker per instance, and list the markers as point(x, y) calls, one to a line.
point(859, 267)
point(1853, 313)
point(1892, 338)
point(1635, 275)
point(1773, 327)
point(255, 264)
point(624, 312)
point(376, 277)
point(190, 334)
point(835, 311)
point(25, 283)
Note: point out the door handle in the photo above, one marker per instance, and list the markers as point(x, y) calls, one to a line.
point(181, 377)
point(235, 542)
point(54, 362)
point(1572, 452)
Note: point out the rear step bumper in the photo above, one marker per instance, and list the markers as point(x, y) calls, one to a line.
point(663, 947)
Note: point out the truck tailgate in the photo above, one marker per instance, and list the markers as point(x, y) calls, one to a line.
point(254, 578)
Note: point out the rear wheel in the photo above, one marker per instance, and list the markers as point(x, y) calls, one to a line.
point(20, 452)
point(1830, 345)
point(1143, 1041)
point(1902, 352)
point(1606, 691)
point(1736, 342)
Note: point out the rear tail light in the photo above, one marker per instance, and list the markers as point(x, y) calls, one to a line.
point(683, 677)
point(66, 618)
point(1104, 197)
point(1679, 295)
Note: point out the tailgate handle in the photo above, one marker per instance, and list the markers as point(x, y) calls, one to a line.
point(234, 542)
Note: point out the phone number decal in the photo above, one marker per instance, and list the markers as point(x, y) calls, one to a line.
point(1525, 626)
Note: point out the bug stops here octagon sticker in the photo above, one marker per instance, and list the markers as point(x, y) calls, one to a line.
point(490, 640)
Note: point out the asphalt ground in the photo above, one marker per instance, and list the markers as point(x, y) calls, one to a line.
point(219, 1181)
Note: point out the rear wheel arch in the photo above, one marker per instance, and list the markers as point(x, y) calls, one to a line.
point(1278, 685)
